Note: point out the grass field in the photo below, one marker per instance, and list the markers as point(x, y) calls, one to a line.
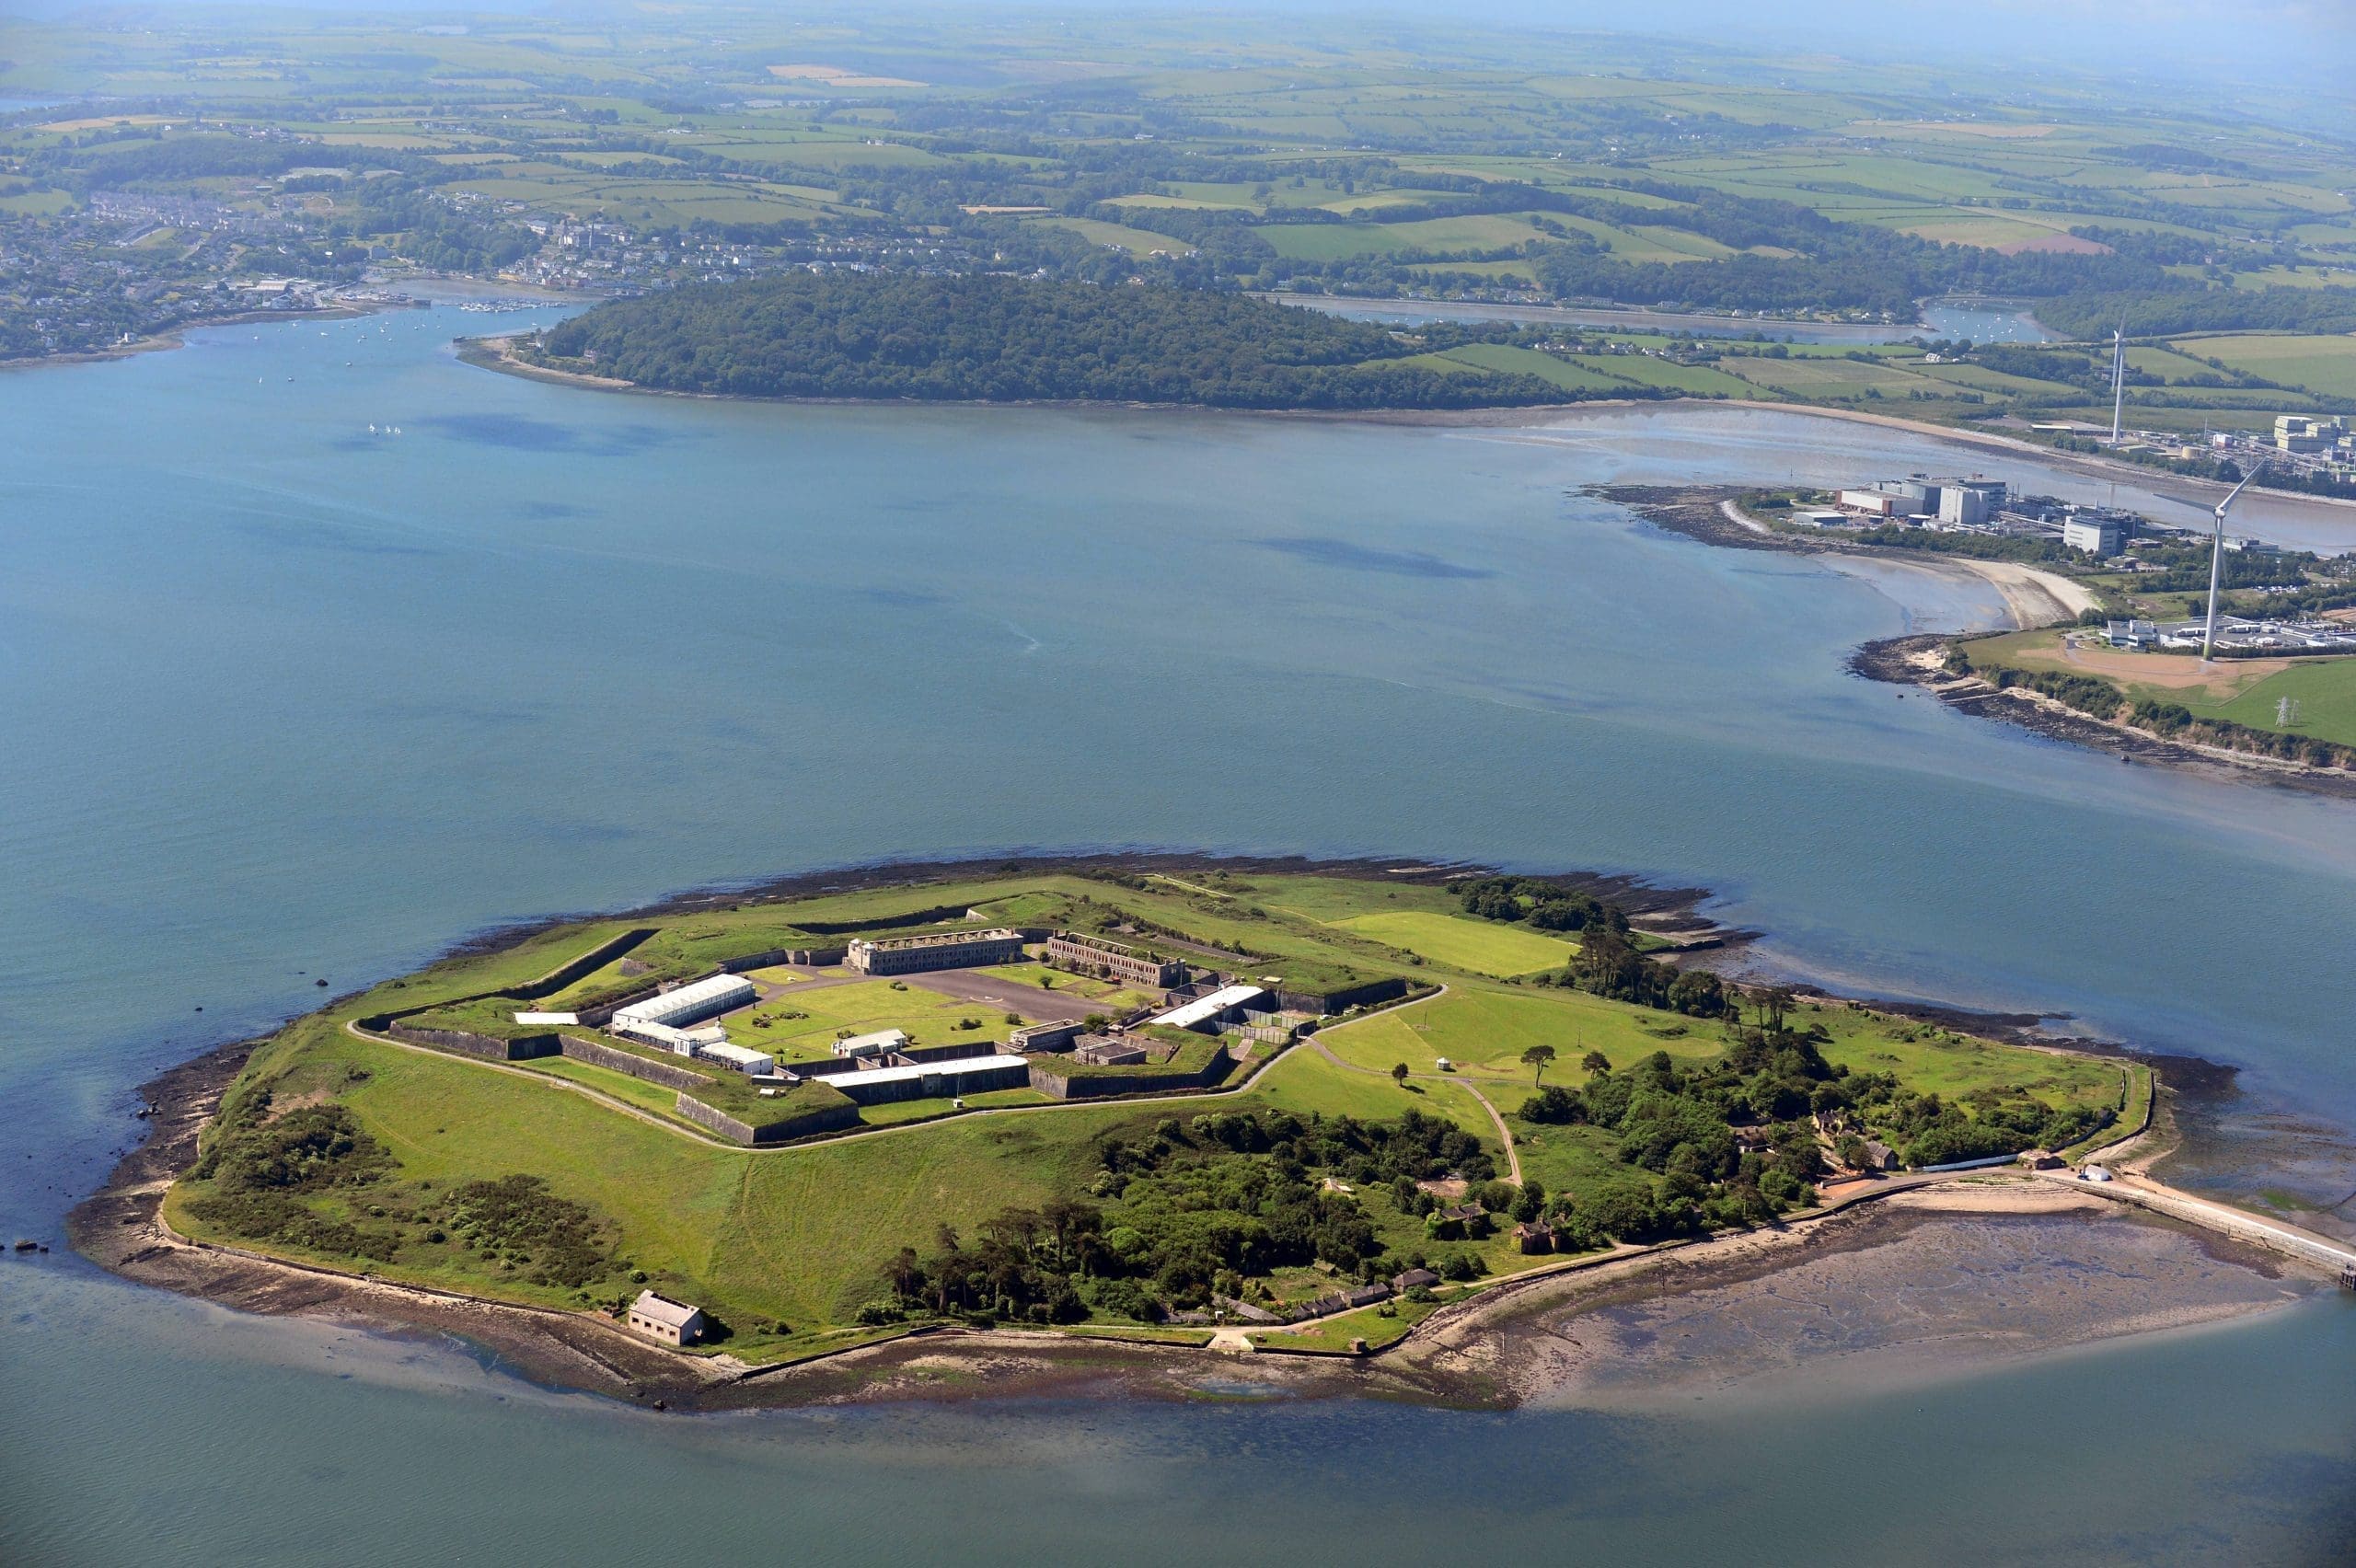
point(2321, 364)
point(1531, 362)
point(1483, 947)
point(1483, 1031)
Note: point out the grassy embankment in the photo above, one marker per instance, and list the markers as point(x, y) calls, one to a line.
point(784, 1246)
point(2248, 692)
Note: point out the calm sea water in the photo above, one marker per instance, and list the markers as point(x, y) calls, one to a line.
point(290, 699)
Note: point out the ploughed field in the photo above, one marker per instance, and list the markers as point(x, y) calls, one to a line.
point(1349, 1154)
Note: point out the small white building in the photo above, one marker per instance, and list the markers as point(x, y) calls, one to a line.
point(754, 1064)
point(881, 1043)
point(658, 1317)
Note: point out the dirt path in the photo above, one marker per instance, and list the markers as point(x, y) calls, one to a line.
point(1505, 1134)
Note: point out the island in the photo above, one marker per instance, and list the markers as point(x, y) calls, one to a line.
point(1170, 1102)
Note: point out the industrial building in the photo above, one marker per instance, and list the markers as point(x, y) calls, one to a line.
point(2097, 533)
point(942, 949)
point(1114, 961)
point(1956, 504)
point(1206, 1014)
point(658, 1317)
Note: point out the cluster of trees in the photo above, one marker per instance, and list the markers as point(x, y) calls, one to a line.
point(1182, 1212)
point(1535, 902)
point(997, 339)
point(1607, 963)
point(1680, 1122)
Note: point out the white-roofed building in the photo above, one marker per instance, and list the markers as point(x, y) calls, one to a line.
point(757, 1063)
point(881, 1043)
point(692, 1003)
point(1205, 1013)
point(658, 1317)
point(927, 1080)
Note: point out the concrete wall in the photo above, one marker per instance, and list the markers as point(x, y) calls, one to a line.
point(488, 1048)
point(1341, 997)
point(1072, 1081)
point(589, 962)
point(956, 1052)
point(785, 1128)
point(607, 1057)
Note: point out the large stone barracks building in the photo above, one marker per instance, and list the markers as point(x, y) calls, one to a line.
point(1084, 954)
point(943, 950)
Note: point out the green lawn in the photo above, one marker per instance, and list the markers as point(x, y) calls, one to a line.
point(1485, 947)
point(1531, 362)
point(1485, 1032)
point(2321, 364)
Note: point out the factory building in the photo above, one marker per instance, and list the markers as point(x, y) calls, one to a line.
point(943, 950)
point(1085, 954)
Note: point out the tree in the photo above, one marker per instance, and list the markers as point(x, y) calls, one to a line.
point(1596, 1062)
point(1399, 1075)
point(1538, 1059)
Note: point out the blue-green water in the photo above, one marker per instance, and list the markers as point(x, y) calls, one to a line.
point(286, 698)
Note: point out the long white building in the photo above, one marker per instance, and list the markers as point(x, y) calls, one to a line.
point(691, 1003)
point(665, 1021)
point(1208, 1010)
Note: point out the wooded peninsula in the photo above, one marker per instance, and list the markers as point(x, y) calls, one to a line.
point(992, 339)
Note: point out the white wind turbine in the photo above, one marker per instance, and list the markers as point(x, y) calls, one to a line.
point(2216, 562)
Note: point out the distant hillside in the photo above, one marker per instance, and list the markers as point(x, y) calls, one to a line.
point(1003, 340)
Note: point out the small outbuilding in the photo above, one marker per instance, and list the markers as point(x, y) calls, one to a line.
point(1535, 1236)
point(1879, 1156)
point(2041, 1159)
point(658, 1317)
point(1403, 1283)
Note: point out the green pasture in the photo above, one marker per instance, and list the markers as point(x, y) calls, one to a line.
point(2322, 364)
point(1483, 947)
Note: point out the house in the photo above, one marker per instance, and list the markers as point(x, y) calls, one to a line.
point(1460, 1222)
point(1879, 1156)
point(658, 1317)
point(1403, 1283)
point(1535, 1236)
